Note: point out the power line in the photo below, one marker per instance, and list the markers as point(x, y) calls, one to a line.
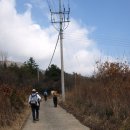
point(54, 50)
point(113, 41)
point(49, 5)
point(53, 3)
point(81, 33)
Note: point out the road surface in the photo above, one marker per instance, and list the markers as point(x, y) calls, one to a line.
point(52, 118)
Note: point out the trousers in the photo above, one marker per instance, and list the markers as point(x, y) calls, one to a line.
point(35, 111)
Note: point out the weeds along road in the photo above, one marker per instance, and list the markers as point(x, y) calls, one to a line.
point(51, 118)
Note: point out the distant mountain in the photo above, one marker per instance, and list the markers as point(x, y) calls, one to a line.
point(8, 63)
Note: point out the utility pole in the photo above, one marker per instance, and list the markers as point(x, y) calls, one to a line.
point(61, 50)
point(38, 75)
point(61, 17)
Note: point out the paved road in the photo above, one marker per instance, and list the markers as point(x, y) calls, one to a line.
point(53, 119)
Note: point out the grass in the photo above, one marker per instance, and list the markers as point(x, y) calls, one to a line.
point(13, 105)
point(102, 101)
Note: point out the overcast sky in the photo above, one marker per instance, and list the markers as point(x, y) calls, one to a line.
point(97, 31)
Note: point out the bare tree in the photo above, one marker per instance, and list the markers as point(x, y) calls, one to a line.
point(3, 58)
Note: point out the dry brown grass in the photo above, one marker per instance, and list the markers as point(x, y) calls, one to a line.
point(102, 102)
point(19, 122)
point(13, 105)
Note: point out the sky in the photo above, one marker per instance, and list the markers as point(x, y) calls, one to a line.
point(98, 30)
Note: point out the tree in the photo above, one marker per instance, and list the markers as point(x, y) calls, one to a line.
point(31, 66)
point(53, 73)
point(112, 69)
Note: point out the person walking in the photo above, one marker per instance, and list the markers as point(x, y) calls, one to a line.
point(45, 95)
point(33, 101)
point(55, 100)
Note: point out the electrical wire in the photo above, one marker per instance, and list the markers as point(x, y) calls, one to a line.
point(49, 5)
point(53, 3)
point(115, 41)
point(54, 50)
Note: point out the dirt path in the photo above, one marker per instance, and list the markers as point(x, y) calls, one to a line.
point(53, 119)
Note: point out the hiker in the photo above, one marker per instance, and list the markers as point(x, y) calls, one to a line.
point(33, 101)
point(55, 100)
point(45, 95)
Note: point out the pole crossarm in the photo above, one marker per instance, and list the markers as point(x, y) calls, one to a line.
point(61, 16)
point(59, 22)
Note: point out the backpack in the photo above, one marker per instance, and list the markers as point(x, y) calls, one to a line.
point(45, 93)
point(34, 99)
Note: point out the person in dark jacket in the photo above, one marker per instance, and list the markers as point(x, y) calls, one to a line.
point(45, 95)
point(55, 100)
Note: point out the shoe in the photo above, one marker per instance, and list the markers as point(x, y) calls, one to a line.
point(34, 120)
point(37, 119)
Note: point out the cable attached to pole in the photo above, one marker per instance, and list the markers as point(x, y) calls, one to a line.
point(54, 50)
point(49, 5)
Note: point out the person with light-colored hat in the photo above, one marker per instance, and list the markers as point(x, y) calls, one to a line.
point(33, 101)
